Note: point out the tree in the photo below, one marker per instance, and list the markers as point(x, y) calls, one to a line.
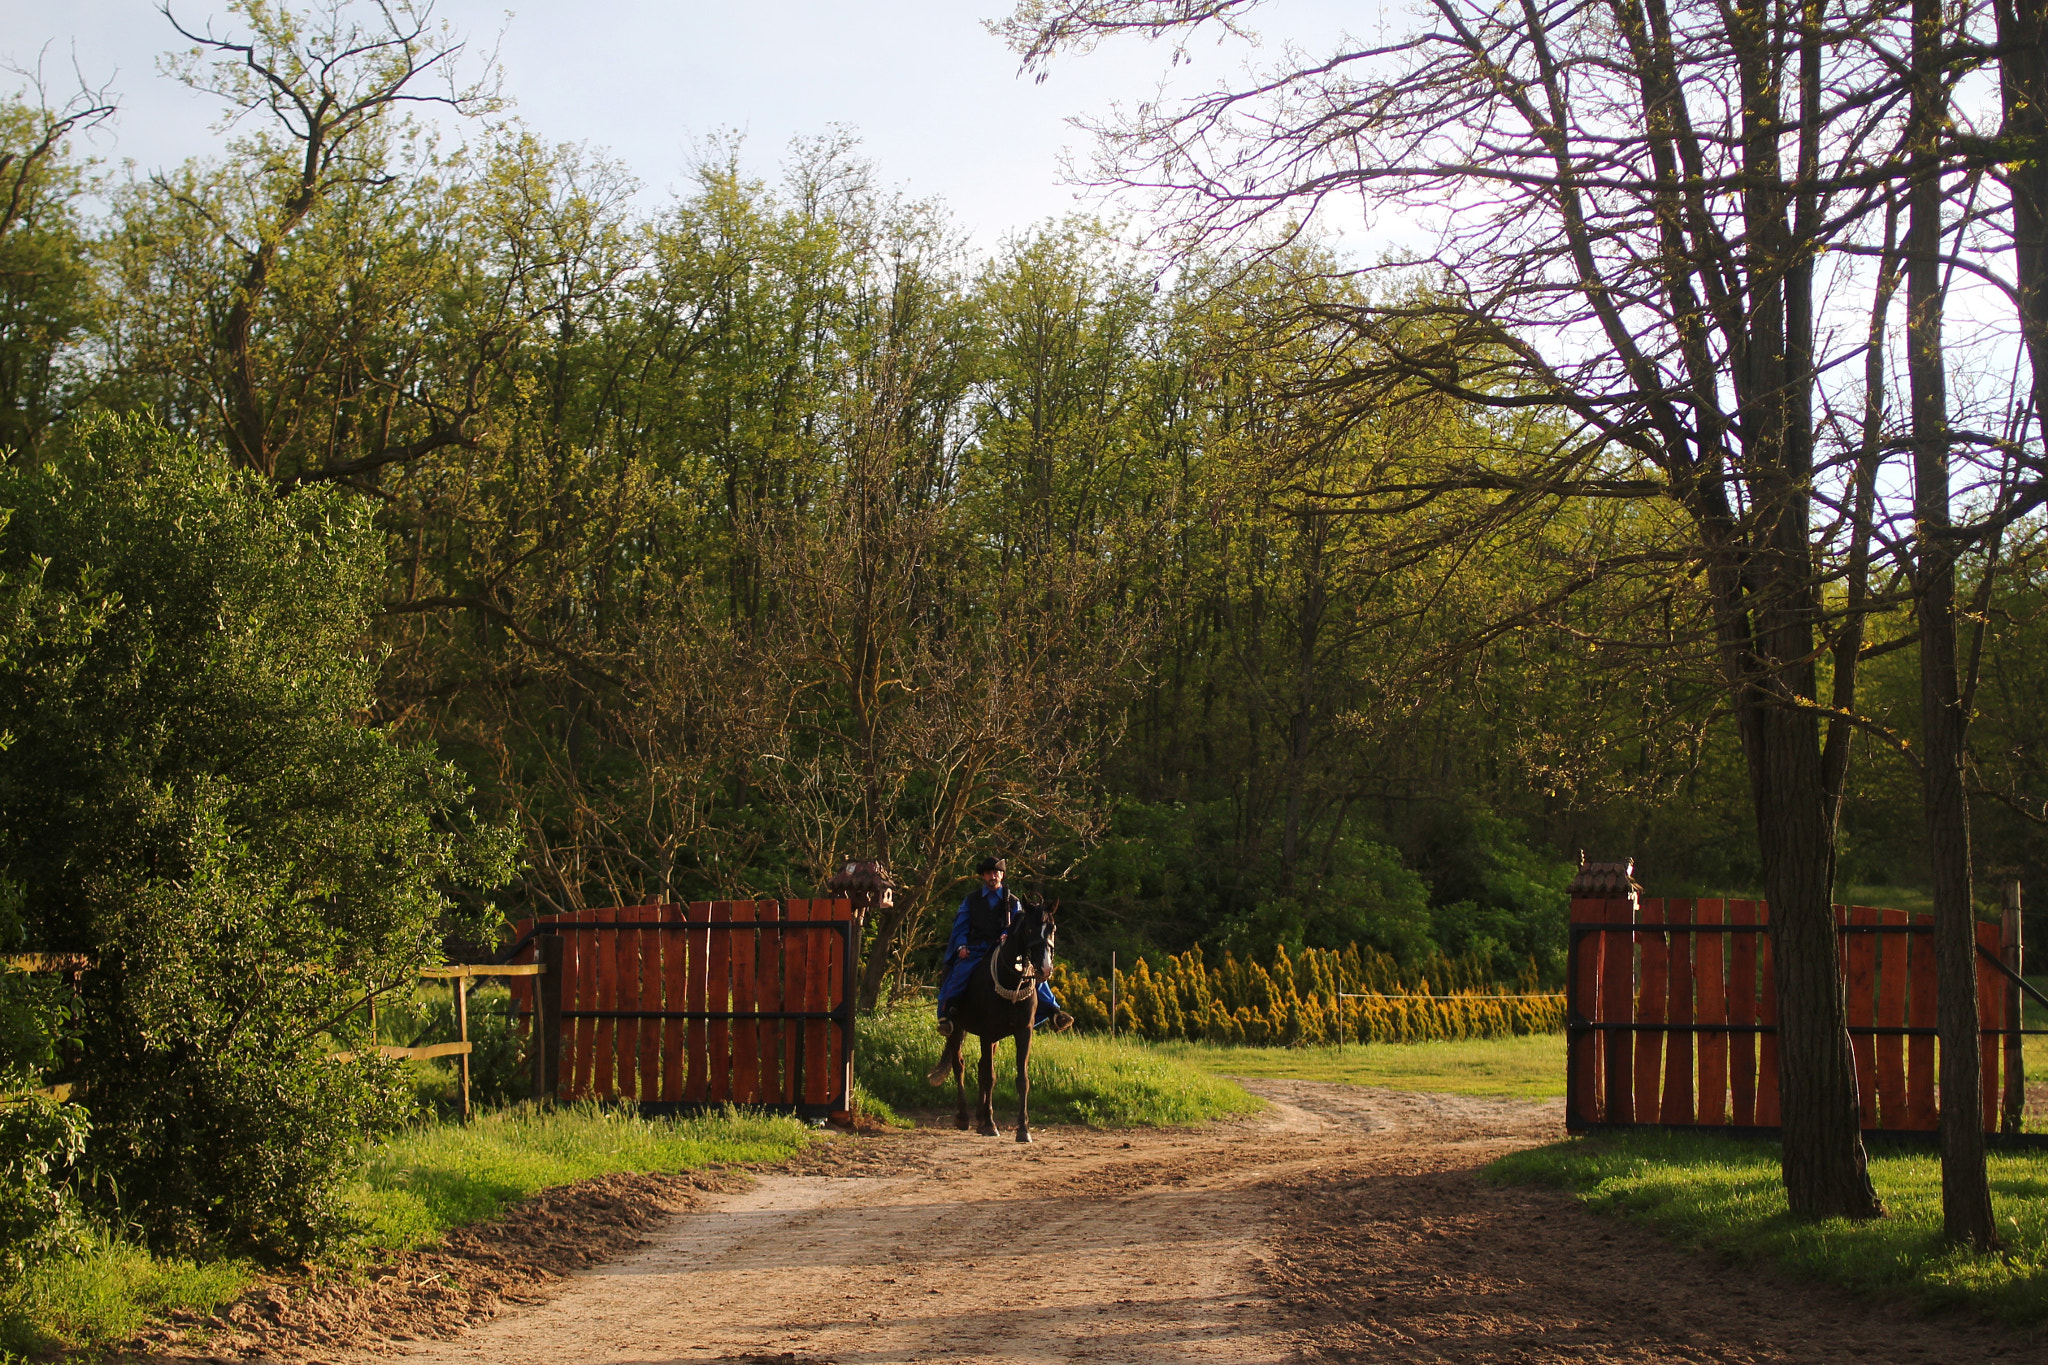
point(1629, 201)
point(287, 298)
point(192, 798)
point(47, 293)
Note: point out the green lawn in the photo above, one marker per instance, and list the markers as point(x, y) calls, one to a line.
point(1530, 1067)
point(1726, 1195)
point(1075, 1078)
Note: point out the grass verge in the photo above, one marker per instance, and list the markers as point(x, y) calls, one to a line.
point(109, 1292)
point(1726, 1195)
point(414, 1188)
point(1074, 1079)
point(423, 1183)
point(1530, 1067)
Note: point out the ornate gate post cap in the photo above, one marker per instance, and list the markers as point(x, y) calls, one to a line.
point(1604, 881)
point(866, 882)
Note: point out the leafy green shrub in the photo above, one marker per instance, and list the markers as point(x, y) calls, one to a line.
point(193, 798)
point(39, 1140)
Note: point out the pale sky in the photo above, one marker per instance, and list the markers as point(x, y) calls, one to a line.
point(936, 99)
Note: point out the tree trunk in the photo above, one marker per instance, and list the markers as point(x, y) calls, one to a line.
point(1825, 1169)
point(1965, 1186)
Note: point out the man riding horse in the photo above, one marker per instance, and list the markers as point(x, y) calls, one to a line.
point(985, 915)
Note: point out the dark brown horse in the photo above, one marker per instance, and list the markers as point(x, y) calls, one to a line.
point(1001, 1001)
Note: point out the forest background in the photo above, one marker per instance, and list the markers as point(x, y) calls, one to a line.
point(774, 527)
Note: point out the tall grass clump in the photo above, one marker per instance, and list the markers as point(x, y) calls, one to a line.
point(420, 1184)
point(1358, 995)
point(1096, 1081)
point(106, 1291)
point(1729, 1195)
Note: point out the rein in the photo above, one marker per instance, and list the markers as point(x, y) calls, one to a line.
point(1026, 984)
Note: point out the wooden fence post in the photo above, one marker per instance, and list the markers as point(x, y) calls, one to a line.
point(547, 1016)
point(461, 984)
point(2015, 1067)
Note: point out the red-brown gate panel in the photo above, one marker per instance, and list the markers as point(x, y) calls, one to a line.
point(670, 1006)
point(1673, 1015)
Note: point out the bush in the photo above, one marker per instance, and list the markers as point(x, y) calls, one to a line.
point(1360, 995)
point(193, 799)
point(39, 1140)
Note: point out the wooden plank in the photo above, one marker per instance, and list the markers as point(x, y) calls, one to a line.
point(1767, 1111)
point(839, 1074)
point(1920, 1077)
point(419, 1054)
point(675, 956)
point(646, 1050)
point(819, 1058)
point(544, 1054)
point(697, 1045)
point(622, 967)
point(1583, 1103)
point(1859, 967)
point(795, 965)
point(1678, 1047)
point(1652, 998)
point(475, 971)
point(1617, 1005)
point(746, 1033)
point(769, 997)
point(46, 962)
point(604, 946)
point(718, 996)
point(654, 944)
point(1742, 1011)
point(1890, 1052)
point(1990, 1014)
point(582, 946)
point(1710, 974)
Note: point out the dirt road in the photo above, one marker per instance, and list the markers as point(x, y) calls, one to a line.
point(1344, 1224)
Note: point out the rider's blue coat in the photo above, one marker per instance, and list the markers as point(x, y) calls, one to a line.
point(978, 925)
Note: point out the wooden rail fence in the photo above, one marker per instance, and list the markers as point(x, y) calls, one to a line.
point(1672, 1015)
point(684, 1007)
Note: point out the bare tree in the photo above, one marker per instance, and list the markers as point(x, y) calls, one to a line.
point(1632, 208)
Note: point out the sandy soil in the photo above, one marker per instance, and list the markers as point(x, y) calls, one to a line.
point(1343, 1224)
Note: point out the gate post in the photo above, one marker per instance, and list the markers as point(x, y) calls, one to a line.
point(2015, 1065)
point(547, 1016)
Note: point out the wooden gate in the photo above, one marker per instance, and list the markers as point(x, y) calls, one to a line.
point(1672, 1016)
point(680, 1008)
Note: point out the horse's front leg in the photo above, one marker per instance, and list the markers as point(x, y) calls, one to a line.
point(1024, 1085)
point(987, 1112)
point(960, 1089)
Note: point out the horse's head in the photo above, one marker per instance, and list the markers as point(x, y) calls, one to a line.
point(1033, 937)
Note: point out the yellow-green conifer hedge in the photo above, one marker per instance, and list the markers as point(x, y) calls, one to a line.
point(1359, 995)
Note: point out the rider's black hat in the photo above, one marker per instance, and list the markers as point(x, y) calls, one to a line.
point(991, 865)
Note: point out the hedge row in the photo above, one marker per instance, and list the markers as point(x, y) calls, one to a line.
point(1357, 995)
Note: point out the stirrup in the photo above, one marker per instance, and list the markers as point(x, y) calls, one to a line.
point(945, 1027)
point(1062, 1021)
